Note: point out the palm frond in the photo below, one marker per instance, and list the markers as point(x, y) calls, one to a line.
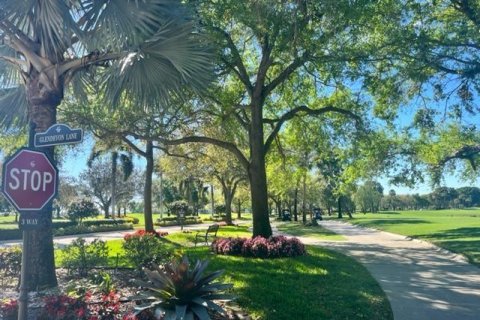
point(48, 22)
point(160, 69)
point(9, 74)
point(124, 23)
point(13, 107)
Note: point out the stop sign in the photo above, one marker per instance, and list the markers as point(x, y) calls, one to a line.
point(29, 180)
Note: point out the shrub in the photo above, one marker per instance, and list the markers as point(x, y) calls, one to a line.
point(63, 308)
point(143, 248)
point(259, 247)
point(80, 210)
point(11, 261)
point(11, 234)
point(228, 246)
point(132, 220)
point(8, 309)
point(181, 292)
point(107, 308)
point(79, 229)
point(220, 209)
point(178, 206)
point(82, 257)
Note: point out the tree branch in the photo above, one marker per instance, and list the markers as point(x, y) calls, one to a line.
point(18, 45)
point(265, 63)
point(312, 112)
point(466, 153)
point(200, 139)
point(294, 65)
point(133, 146)
point(241, 70)
point(87, 60)
point(464, 7)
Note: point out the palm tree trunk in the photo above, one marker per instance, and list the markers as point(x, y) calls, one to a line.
point(147, 192)
point(114, 182)
point(41, 262)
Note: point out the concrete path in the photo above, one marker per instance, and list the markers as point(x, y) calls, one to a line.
point(422, 281)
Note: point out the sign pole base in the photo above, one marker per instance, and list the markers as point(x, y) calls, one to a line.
point(23, 299)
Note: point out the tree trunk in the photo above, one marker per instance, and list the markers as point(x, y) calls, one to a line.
point(227, 196)
point(106, 209)
point(147, 192)
point(212, 199)
point(114, 183)
point(279, 208)
point(295, 205)
point(339, 202)
point(239, 212)
point(304, 200)
point(41, 262)
point(257, 174)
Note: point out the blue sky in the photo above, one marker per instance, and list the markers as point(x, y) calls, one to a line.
point(76, 161)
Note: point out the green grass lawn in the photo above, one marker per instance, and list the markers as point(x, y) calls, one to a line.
point(8, 222)
point(321, 285)
point(314, 232)
point(455, 230)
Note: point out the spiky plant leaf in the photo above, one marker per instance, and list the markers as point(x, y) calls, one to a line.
point(177, 286)
point(180, 311)
point(201, 312)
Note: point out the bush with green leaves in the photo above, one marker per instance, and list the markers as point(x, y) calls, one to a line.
point(10, 261)
point(81, 256)
point(180, 206)
point(178, 291)
point(144, 249)
point(80, 210)
point(220, 209)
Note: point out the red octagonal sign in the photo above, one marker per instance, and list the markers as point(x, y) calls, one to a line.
point(29, 180)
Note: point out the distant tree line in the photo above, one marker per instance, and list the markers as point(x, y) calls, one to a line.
point(370, 198)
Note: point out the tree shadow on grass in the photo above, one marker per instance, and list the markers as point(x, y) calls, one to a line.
point(454, 233)
point(387, 212)
point(320, 285)
point(465, 241)
point(469, 248)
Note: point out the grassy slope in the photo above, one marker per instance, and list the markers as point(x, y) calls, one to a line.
point(455, 230)
point(321, 285)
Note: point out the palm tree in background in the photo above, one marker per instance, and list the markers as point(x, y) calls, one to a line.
point(118, 154)
point(145, 51)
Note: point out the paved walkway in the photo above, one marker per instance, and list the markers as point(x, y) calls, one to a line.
point(422, 281)
point(61, 241)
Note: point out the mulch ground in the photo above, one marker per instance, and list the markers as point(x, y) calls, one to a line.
point(122, 282)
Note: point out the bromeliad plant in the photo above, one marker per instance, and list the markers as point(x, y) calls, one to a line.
point(177, 291)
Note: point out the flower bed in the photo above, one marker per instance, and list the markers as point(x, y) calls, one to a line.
point(260, 247)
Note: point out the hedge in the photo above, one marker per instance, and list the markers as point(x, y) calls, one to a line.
point(61, 228)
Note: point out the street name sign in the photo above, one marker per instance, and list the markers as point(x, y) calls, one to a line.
point(58, 134)
point(29, 180)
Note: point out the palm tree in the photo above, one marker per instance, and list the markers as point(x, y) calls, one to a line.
point(141, 50)
point(118, 152)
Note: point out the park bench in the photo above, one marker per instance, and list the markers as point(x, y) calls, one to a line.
point(210, 233)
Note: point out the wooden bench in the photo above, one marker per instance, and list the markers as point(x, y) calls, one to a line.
point(210, 233)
